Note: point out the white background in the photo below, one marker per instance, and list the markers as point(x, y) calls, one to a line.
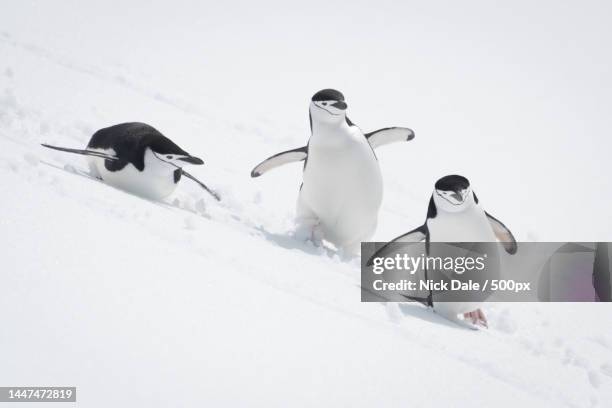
point(203, 303)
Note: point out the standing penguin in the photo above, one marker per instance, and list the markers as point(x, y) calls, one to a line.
point(342, 188)
point(137, 158)
point(454, 215)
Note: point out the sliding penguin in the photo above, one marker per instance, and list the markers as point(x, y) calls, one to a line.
point(454, 215)
point(342, 188)
point(137, 158)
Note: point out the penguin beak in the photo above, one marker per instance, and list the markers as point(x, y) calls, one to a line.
point(457, 196)
point(192, 160)
point(340, 105)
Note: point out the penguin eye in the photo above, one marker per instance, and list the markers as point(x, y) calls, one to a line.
point(324, 103)
point(169, 157)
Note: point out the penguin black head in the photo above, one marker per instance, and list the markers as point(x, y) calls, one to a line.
point(167, 151)
point(328, 105)
point(453, 193)
point(328, 95)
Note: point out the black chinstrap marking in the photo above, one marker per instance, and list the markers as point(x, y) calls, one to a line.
point(333, 114)
point(455, 194)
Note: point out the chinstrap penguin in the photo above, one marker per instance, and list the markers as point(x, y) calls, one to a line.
point(342, 187)
point(137, 158)
point(455, 215)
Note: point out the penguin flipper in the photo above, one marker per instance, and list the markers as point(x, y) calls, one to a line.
point(279, 159)
point(388, 135)
point(416, 235)
point(84, 152)
point(204, 186)
point(503, 234)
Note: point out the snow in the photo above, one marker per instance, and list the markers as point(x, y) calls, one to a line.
point(194, 302)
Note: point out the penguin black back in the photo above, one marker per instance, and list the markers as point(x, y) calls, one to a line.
point(129, 141)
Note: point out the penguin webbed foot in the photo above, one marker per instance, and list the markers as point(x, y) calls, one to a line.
point(470, 320)
point(316, 236)
point(309, 231)
point(477, 318)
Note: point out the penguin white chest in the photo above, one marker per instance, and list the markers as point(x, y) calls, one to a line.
point(470, 225)
point(342, 185)
point(342, 172)
point(155, 181)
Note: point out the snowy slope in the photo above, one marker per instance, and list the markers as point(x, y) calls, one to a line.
point(191, 302)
